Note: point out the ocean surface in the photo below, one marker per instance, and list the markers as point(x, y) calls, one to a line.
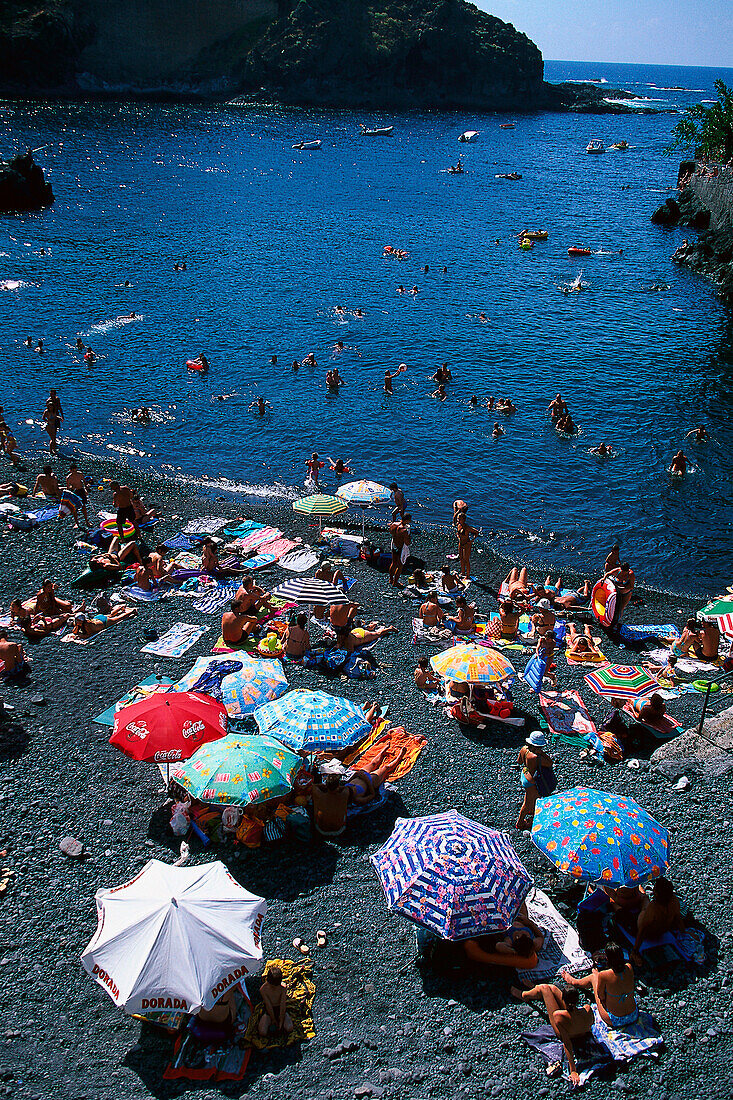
point(278, 242)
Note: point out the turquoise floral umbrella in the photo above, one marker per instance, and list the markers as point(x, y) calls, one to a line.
point(239, 771)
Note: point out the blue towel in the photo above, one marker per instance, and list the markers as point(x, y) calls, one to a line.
point(180, 542)
point(640, 633)
point(141, 596)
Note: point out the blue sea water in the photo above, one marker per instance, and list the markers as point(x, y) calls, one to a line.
point(276, 239)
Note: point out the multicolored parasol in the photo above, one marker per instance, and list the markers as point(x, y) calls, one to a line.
point(472, 664)
point(313, 720)
point(622, 681)
point(722, 611)
point(452, 875)
point(365, 493)
point(254, 682)
point(238, 771)
point(320, 504)
point(596, 836)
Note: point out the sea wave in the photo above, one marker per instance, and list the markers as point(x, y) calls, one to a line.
point(276, 490)
point(114, 322)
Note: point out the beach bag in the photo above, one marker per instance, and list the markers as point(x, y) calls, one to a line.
point(359, 668)
point(299, 825)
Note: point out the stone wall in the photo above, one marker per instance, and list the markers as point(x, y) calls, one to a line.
point(147, 43)
point(715, 194)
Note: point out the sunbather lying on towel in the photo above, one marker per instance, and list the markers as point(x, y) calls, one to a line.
point(38, 626)
point(85, 626)
point(613, 989)
point(580, 644)
point(365, 635)
point(363, 787)
point(576, 598)
point(567, 1019)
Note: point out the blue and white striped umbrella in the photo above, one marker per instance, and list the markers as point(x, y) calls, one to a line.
point(313, 720)
point(452, 875)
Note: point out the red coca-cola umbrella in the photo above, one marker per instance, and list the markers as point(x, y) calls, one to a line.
point(168, 726)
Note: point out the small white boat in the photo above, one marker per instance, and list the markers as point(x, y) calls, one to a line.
point(378, 131)
point(468, 135)
point(595, 146)
point(308, 145)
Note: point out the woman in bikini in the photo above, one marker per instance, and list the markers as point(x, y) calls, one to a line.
point(612, 988)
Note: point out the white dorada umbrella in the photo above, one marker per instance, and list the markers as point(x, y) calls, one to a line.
point(174, 937)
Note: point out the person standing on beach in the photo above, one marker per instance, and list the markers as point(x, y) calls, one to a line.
point(400, 531)
point(465, 535)
point(399, 498)
point(122, 500)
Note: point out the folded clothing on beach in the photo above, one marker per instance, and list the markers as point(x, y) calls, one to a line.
point(389, 745)
point(561, 949)
point(431, 635)
point(146, 687)
point(142, 596)
point(176, 641)
point(300, 993)
point(204, 525)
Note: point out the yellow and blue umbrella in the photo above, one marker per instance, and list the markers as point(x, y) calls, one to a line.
point(239, 771)
point(247, 682)
point(452, 875)
point(366, 493)
point(313, 721)
point(596, 836)
point(472, 664)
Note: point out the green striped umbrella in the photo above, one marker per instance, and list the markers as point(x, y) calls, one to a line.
point(722, 611)
point(320, 504)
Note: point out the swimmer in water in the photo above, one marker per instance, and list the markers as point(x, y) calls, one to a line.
point(701, 435)
point(415, 290)
point(127, 282)
point(79, 344)
point(338, 346)
point(359, 313)
point(339, 468)
point(309, 361)
point(334, 380)
point(601, 450)
point(90, 356)
point(314, 466)
point(203, 361)
point(388, 382)
point(474, 400)
point(445, 270)
point(490, 402)
point(132, 316)
point(483, 318)
point(28, 342)
point(400, 289)
point(497, 432)
point(143, 415)
point(425, 269)
point(440, 392)
point(39, 347)
point(679, 464)
point(295, 367)
point(273, 360)
point(261, 405)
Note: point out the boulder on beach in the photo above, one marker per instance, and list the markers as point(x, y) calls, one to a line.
point(708, 755)
point(23, 185)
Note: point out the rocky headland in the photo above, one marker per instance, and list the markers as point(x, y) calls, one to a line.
point(705, 204)
point(397, 54)
point(23, 185)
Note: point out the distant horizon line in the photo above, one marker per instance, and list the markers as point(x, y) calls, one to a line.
point(638, 64)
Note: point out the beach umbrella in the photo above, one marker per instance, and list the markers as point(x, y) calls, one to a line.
point(722, 611)
point(596, 836)
point(320, 504)
point(168, 726)
point(174, 938)
point(452, 875)
point(473, 664)
point(623, 681)
point(309, 590)
point(238, 771)
point(313, 720)
point(366, 494)
point(248, 683)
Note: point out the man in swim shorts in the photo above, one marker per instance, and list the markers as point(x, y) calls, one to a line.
point(12, 657)
point(48, 484)
point(76, 483)
point(401, 536)
point(122, 500)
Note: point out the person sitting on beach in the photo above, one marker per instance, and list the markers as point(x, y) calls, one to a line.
point(275, 1018)
point(419, 582)
point(688, 644)
point(210, 561)
point(509, 618)
point(326, 572)
point(575, 598)
point(464, 622)
point(613, 989)
point(13, 661)
point(425, 678)
point(297, 637)
point(543, 621)
point(342, 616)
point(159, 567)
point(143, 513)
point(431, 613)
point(38, 626)
point(679, 464)
point(567, 1019)
point(330, 802)
point(709, 635)
point(580, 644)
point(48, 602)
point(85, 626)
point(216, 1024)
point(624, 580)
point(48, 484)
point(251, 596)
point(659, 915)
point(238, 623)
point(144, 577)
point(449, 582)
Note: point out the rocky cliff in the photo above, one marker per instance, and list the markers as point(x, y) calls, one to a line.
point(704, 203)
point(358, 53)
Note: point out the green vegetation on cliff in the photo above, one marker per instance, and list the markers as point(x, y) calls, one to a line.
point(707, 131)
